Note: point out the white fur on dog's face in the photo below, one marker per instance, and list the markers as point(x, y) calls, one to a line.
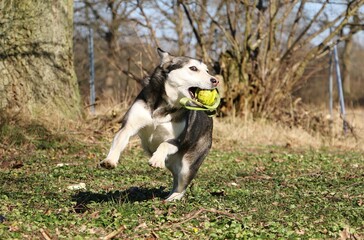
point(193, 74)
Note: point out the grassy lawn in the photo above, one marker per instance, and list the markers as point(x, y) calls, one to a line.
point(253, 193)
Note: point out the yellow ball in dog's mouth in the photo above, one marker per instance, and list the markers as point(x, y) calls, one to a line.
point(206, 97)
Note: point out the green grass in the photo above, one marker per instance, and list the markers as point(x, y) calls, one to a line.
point(267, 193)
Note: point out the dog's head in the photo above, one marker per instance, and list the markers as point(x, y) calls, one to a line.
point(185, 75)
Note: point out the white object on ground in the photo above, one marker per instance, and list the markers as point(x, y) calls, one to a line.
point(78, 186)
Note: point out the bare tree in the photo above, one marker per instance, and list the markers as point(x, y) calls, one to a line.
point(109, 19)
point(267, 58)
point(354, 26)
point(261, 48)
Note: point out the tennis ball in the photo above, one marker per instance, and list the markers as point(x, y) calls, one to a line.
point(206, 97)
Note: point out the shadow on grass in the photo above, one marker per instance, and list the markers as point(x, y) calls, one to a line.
point(133, 194)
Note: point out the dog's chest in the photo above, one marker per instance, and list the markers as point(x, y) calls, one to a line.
point(160, 130)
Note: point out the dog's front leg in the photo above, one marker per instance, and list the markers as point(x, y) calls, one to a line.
point(160, 155)
point(119, 143)
point(137, 117)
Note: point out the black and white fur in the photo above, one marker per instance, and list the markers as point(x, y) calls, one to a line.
point(176, 138)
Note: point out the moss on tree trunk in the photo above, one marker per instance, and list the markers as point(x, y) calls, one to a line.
point(36, 58)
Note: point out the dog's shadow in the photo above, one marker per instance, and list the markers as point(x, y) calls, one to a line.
point(133, 194)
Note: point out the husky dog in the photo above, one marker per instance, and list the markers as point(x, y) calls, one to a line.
point(176, 138)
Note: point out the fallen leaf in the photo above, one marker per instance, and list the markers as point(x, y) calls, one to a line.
point(218, 193)
point(17, 164)
point(345, 234)
point(142, 225)
point(13, 228)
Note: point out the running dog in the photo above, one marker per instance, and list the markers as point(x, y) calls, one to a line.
point(176, 138)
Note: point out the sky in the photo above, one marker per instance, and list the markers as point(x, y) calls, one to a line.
point(332, 11)
point(334, 8)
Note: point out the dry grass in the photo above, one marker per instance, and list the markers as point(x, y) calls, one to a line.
point(235, 132)
point(229, 132)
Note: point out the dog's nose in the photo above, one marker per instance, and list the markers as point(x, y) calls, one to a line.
point(214, 81)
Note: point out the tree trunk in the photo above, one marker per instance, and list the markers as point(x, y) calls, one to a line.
point(36, 58)
point(347, 65)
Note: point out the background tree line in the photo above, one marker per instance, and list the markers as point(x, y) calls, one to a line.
point(264, 50)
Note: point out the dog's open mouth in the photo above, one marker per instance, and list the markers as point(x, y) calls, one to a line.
point(201, 99)
point(192, 91)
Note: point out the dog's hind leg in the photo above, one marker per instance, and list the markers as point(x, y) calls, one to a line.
point(183, 172)
point(181, 179)
point(180, 183)
point(135, 119)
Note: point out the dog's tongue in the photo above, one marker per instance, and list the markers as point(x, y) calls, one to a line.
point(192, 92)
point(193, 96)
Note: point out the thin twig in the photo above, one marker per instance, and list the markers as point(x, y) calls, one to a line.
point(155, 235)
point(113, 234)
point(192, 216)
point(350, 127)
point(212, 210)
point(45, 234)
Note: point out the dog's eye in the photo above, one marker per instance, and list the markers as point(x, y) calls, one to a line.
point(193, 68)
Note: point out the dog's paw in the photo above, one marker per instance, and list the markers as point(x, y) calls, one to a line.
point(157, 161)
point(175, 196)
point(107, 164)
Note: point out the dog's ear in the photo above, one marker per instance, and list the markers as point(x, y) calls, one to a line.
point(165, 57)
